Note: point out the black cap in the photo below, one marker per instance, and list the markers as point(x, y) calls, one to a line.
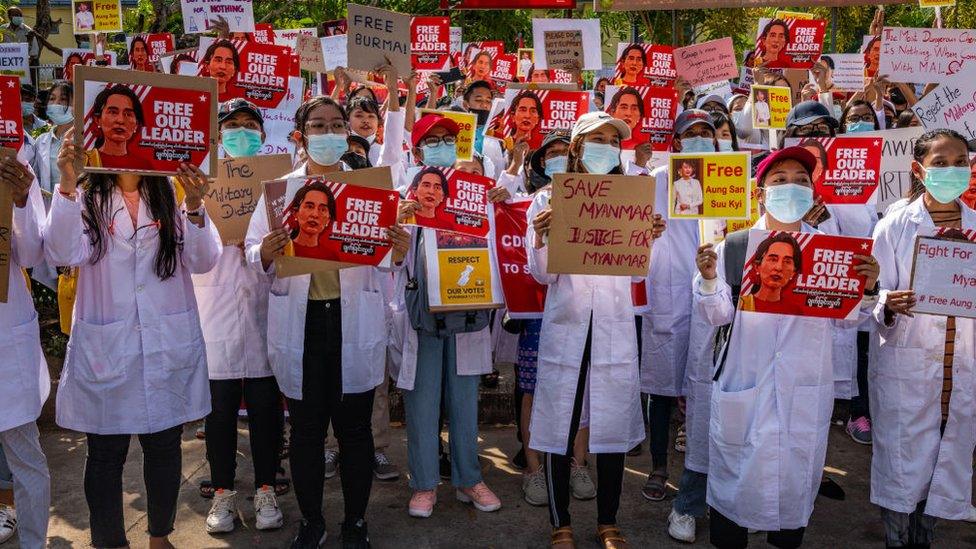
point(475, 85)
point(809, 112)
point(689, 118)
point(28, 89)
point(228, 108)
point(538, 158)
point(359, 140)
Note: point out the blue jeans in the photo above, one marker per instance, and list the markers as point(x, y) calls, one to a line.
point(691, 494)
point(437, 366)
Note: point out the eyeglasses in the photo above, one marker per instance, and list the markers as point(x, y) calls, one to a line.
point(812, 129)
point(334, 126)
point(860, 118)
point(435, 141)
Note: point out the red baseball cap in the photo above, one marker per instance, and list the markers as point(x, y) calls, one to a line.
point(800, 154)
point(428, 122)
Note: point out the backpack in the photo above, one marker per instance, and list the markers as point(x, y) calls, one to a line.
point(736, 245)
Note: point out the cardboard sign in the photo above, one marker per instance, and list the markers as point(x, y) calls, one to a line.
point(709, 185)
point(468, 123)
point(14, 60)
point(461, 273)
point(200, 15)
point(258, 72)
point(524, 297)
point(233, 197)
point(944, 277)
point(6, 233)
point(848, 167)
point(451, 200)
point(589, 30)
point(951, 105)
point(289, 37)
point(335, 51)
point(531, 114)
point(430, 42)
point(770, 106)
point(601, 224)
point(803, 274)
point(564, 48)
point(648, 110)
point(310, 54)
point(331, 221)
point(707, 62)
point(145, 50)
point(848, 73)
point(375, 35)
point(167, 120)
point(11, 118)
point(789, 43)
point(925, 55)
point(645, 65)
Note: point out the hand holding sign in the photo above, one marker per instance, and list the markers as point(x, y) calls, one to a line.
point(17, 178)
point(194, 183)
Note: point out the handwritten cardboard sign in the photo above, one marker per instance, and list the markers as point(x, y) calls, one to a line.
point(14, 60)
point(707, 62)
point(524, 297)
point(564, 48)
point(375, 35)
point(200, 15)
point(770, 106)
point(648, 110)
point(925, 55)
point(588, 28)
point(601, 224)
point(234, 195)
point(645, 65)
point(848, 71)
point(310, 55)
point(11, 117)
point(709, 185)
point(944, 277)
point(896, 163)
point(848, 167)
point(289, 37)
point(952, 105)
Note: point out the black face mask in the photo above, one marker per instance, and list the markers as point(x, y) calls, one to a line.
point(534, 181)
point(482, 116)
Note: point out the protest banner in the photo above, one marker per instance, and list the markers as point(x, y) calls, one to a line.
point(14, 60)
point(644, 65)
point(951, 105)
point(944, 276)
point(450, 200)
point(289, 37)
point(507, 4)
point(524, 297)
point(770, 106)
point(457, 38)
point(647, 5)
point(601, 224)
point(936, 3)
point(531, 114)
point(251, 70)
point(896, 163)
point(90, 16)
point(11, 117)
point(430, 42)
point(310, 53)
point(789, 43)
point(335, 52)
point(713, 231)
point(174, 121)
point(848, 72)
point(803, 274)
point(503, 70)
point(784, 14)
point(925, 55)
point(199, 16)
point(589, 29)
point(6, 231)
point(648, 110)
point(709, 185)
point(526, 59)
point(72, 57)
point(848, 167)
point(461, 273)
point(234, 195)
point(467, 123)
point(564, 48)
point(264, 33)
point(145, 49)
point(707, 62)
point(376, 35)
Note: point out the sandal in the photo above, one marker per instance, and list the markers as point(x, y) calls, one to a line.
point(563, 537)
point(490, 381)
point(655, 489)
point(610, 537)
point(680, 440)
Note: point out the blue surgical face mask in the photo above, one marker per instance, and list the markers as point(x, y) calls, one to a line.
point(946, 184)
point(697, 145)
point(440, 156)
point(17, 20)
point(241, 141)
point(860, 126)
point(600, 158)
point(326, 149)
point(479, 139)
point(789, 202)
point(736, 116)
point(60, 114)
point(724, 145)
point(556, 164)
point(84, 45)
point(26, 109)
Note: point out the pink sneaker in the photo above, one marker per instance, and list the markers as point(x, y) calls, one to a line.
point(422, 503)
point(860, 430)
point(480, 496)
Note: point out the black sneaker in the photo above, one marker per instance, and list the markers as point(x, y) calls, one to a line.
point(310, 536)
point(519, 460)
point(355, 536)
point(831, 490)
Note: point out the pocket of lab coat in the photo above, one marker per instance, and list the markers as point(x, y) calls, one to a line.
point(734, 412)
point(183, 340)
point(15, 349)
point(98, 350)
point(805, 412)
point(623, 342)
point(372, 319)
point(552, 344)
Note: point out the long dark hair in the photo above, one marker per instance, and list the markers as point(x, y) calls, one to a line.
point(720, 119)
point(102, 98)
point(145, 46)
point(98, 217)
point(629, 90)
point(857, 103)
point(922, 147)
point(222, 43)
point(765, 245)
point(296, 203)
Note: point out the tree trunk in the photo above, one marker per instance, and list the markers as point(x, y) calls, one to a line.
point(43, 24)
point(163, 10)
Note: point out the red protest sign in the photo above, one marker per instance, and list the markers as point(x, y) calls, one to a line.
point(264, 33)
point(11, 118)
point(451, 200)
point(333, 221)
point(478, 57)
point(524, 297)
point(430, 42)
point(504, 70)
point(645, 65)
point(848, 168)
point(533, 114)
point(257, 72)
point(789, 43)
point(145, 49)
point(648, 110)
point(803, 274)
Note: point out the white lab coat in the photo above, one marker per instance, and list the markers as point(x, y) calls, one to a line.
point(26, 383)
point(576, 305)
point(770, 409)
point(136, 361)
point(364, 318)
point(666, 327)
point(698, 391)
point(911, 461)
point(43, 162)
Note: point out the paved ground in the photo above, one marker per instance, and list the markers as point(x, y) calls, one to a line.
point(852, 523)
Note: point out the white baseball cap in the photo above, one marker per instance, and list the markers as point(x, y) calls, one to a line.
point(593, 120)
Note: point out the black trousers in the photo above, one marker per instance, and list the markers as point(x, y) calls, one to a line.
point(161, 471)
point(609, 467)
point(264, 423)
point(660, 421)
point(322, 401)
point(860, 405)
point(725, 534)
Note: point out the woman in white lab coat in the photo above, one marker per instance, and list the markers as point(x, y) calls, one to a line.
point(921, 468)
point(22, 366)
point(587, 360)
point(772, 401)
point(135, 363)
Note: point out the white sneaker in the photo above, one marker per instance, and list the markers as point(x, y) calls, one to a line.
point(534, 488)
point(970, 518)
point(267, 515)
point(681, 527)
point(8, 522)
point(223, 512)
point(331, 463)
point(580, 483)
